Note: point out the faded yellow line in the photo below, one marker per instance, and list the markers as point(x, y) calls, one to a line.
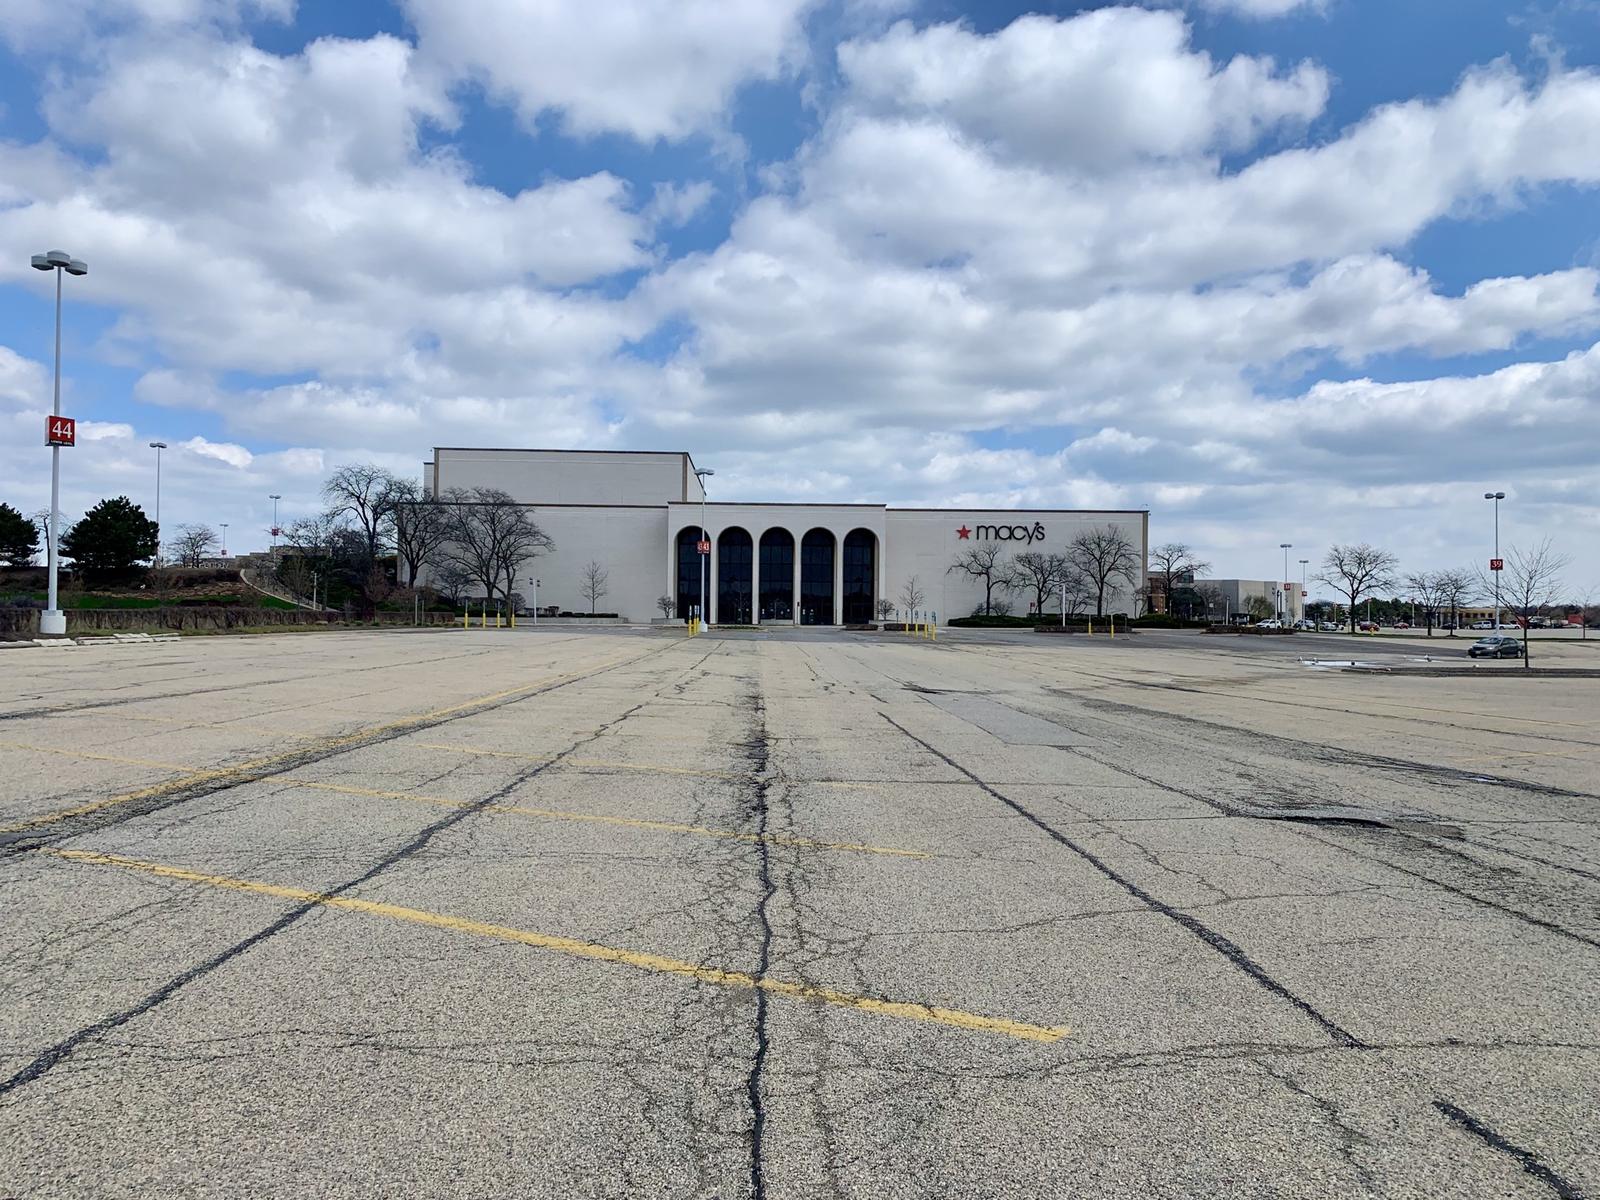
point(131, 762)
point(908, 1010)
point(242, 772)
point(559, 814)
point(646, 768)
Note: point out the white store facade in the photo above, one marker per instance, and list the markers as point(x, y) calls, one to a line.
point(637, 515)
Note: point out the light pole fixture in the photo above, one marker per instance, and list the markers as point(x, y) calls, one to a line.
point(224, 539)
point(158, 447)
point(1303, 563)
point(701, 474)
point(275, 497)
point(1285, 547)
point(53, 622)
point(1494, 567)
point(535, 584)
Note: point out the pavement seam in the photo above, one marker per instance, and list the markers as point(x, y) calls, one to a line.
point(1525, 1158)
point(1229, 950)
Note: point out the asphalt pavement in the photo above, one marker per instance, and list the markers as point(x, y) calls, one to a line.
point(604, 913)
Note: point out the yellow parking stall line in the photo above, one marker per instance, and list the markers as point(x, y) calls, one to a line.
point(599, 764)
point(575, 948)
point(645, 768)
point(559, 814)
point(245, 772)
point(88, 754)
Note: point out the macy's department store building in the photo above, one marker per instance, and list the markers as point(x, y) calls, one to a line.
point(637, 515)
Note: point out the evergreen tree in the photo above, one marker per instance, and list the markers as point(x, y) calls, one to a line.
point(113, 537)
point(19, 538)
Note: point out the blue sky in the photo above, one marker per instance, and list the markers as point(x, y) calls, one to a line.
point(1276, 270)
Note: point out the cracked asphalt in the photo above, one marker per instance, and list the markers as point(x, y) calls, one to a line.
point(606, 913)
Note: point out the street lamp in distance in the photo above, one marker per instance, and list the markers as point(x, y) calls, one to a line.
point(1495, 564)
point(53, 622)
point(275, 497)
point(158, 447)
point(1283, 580)
point(702, 473)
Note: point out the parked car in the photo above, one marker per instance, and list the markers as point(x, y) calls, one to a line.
point(1483, 624)
point(1269, 623)
point(1368, 627)
point(1305, 624)
point(1495, 646)
point(1402, 624)
point(1330, 627)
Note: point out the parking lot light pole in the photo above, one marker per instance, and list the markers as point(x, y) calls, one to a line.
point(158, 447)
point(224, 539)
point(705, 559)
point(275, 497)
point(53, 621)
point(1496, 497)
point(1284, 578)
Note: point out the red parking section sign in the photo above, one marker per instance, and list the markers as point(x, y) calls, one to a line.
point(60, 431)
point(705, 547)
point(1497, 564)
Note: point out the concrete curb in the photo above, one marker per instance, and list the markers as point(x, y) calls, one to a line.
point(1517, 672)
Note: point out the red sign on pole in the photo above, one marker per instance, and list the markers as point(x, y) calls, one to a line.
point(60, 431)
point(705, 547)
point(1497, 564)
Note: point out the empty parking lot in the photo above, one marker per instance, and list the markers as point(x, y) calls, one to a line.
point(597, 914)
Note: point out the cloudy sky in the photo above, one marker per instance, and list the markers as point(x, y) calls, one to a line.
point(1278, 270)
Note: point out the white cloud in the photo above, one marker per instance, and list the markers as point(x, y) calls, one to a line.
point(651, 69)
point(224, 452)
point(1102, 89)
point(1262, 8)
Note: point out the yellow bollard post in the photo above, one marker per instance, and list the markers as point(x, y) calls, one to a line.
point(1113, 629)
point(466, 619)
point(497, 618)
point(1091, 627)
point(513, 618)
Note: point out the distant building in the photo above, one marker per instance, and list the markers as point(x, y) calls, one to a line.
point(1228, 596)
point(637, 515)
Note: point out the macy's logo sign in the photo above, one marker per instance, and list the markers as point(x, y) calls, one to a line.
point(1005, 533)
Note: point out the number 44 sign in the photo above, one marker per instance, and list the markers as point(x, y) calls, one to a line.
point(60, 431)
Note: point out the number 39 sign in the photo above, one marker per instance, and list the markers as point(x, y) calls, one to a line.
point(60, 431)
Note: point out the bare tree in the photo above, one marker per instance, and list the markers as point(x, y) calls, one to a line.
point(1103, 557)
point(1212, 597)
point(367, 495)
point(1531, 580)
point(983, 562)
point(1041, 574)
point(419, 526)
point(1356, 572)
point(592, 583)
point(666, 604)
point(885, 608)
point(1456, 587)
point(1174, 563)
point(311, 543)
point(1427, 590)
point(1259, 607)
point(488, 537)
point(192, 544)
point(912, 597)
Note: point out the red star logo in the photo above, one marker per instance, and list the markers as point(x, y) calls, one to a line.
point(963, 532)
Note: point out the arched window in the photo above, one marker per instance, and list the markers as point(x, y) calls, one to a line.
point(689, 560)
point(860, 575)
point(816, 578)
point(734, 591)
point(777, 575)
